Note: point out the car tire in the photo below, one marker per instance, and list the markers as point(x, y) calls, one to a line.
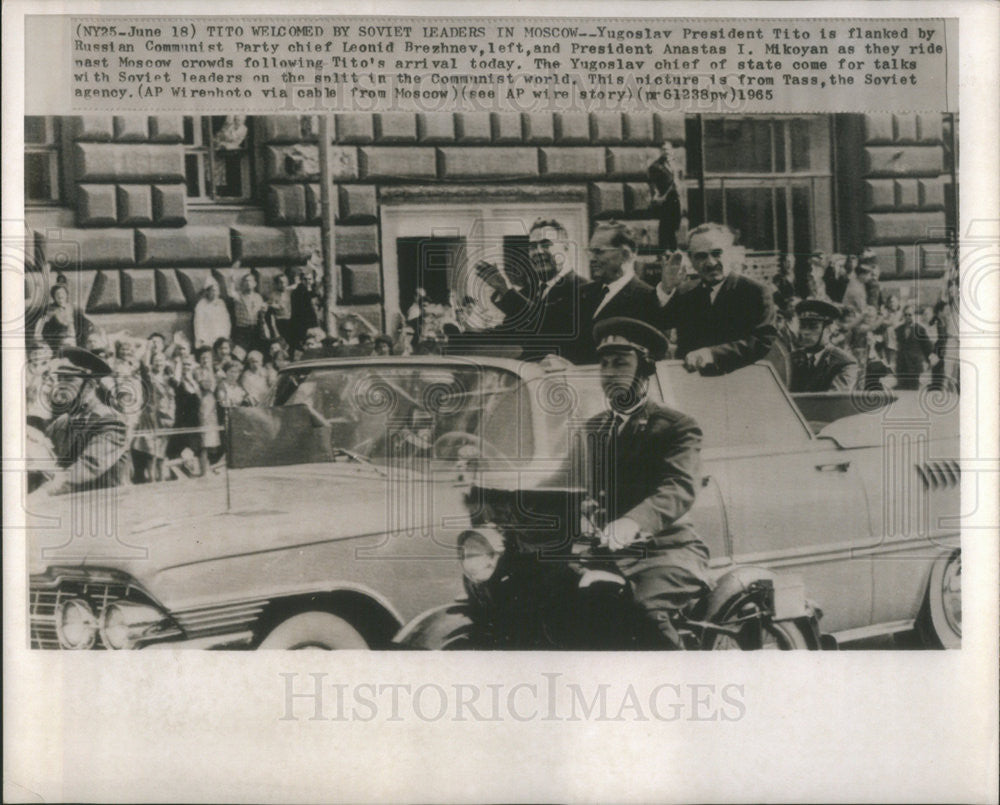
point(314, 630)
point(939, 623)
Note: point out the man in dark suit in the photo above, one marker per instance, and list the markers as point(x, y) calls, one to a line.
point(914, 350)
point(727, 320)
point(614, 290)
point(818, 365)
point(642, 462)
point(666, 197)
point(542, 316)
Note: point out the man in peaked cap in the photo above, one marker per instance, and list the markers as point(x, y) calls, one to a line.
point(818, 365)
point(89, 436)
point(644, 467)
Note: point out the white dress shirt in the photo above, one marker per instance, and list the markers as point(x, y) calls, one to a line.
point(628, 272)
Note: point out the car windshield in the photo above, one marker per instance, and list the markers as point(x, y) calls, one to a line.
point(383, 412)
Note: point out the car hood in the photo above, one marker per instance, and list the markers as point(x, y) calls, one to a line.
point(144, 530)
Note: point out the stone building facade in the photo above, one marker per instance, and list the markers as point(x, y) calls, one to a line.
point(137, 211)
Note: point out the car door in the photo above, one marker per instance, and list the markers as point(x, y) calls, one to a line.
point(792, 502)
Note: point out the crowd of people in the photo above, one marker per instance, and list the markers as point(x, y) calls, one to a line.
point(827, 328)
point(882, 341)
point(175, 389)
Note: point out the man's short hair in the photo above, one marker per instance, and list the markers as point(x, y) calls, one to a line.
point(621, 234)
point(709, 227)
point(221, 340)
point(550, 223)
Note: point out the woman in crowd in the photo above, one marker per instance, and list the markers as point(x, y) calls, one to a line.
point(158, 414)
point(205, 358)
point(208, 419)
point(222, 351)
point(228, 392)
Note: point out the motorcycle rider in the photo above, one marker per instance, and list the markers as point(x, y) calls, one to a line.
point(644, 467)
point(89, 437)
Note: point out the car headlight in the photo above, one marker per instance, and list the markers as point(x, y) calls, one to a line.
point(480, 552)
point(76, 625)
point(124, 622)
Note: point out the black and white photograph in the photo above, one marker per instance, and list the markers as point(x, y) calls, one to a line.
point(691, 315)
point(527, 348)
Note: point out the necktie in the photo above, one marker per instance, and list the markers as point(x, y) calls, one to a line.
point(601, 297)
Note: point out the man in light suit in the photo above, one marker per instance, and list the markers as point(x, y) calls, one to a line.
point(727, 320)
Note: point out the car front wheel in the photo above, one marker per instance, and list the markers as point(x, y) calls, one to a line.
point(314, 630)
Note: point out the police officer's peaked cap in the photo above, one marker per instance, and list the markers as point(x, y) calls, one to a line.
point(621, 332)
point(80, 363)
point(817, 310)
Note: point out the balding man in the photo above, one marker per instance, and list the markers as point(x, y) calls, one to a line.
point(727, 320)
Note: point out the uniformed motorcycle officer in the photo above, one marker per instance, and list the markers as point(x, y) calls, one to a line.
point(818, 365)
point(645, 468)
point(89, 437)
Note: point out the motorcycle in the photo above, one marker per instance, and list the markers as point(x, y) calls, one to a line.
point(533, 584)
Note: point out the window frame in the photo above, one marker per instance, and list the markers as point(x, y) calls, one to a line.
point(201, 148)
point(51, 148)
point(822, 234)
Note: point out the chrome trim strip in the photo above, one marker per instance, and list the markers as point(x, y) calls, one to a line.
point(211, 641)
point(876, 630)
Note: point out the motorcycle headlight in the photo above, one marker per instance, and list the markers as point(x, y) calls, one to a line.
point(124, 622)
point(76, 626)
point(479, 552)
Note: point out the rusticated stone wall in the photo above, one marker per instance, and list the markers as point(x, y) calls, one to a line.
point(134, 249)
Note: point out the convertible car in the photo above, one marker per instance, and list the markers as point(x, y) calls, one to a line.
point(337, 517)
